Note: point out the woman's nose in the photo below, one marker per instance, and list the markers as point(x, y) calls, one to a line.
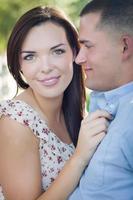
point(46, 65)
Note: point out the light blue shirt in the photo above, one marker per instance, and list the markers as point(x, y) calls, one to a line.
point(109, 175)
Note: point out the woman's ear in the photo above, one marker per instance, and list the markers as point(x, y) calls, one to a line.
point(127, 46)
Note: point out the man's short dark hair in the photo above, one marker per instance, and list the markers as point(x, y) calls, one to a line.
point(117, 14)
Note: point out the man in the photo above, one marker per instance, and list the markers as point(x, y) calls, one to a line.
point(106, 37)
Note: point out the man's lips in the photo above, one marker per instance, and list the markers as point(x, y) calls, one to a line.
point(50, 81)
point(87, 68)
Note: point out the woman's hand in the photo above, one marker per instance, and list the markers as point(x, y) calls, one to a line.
point(93, 130)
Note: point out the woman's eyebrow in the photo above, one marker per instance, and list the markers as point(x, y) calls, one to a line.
point(56, 46)
point(27, 52)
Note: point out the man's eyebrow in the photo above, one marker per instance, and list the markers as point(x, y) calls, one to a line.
point(84, 41)
point(56, 46)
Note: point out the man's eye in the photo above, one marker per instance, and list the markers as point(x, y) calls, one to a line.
point(88, 46)
point(59, 51)
point(29, 57)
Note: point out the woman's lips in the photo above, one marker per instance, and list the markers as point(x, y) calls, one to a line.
point(50, 81)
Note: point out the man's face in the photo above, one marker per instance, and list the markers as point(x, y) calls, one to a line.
point(100, 55)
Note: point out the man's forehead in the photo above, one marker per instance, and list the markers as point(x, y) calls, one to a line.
point(88, 27)
point(89, 21)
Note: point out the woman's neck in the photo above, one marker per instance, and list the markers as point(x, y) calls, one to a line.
point(51, 108)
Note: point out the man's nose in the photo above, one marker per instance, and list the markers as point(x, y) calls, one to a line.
point(81, 57)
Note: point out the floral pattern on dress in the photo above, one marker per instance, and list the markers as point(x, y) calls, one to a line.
point(53, 152)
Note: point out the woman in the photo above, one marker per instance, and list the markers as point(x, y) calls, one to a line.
point(44, 120)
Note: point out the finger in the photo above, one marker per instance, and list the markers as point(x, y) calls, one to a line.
point(98, 114)
point(98, 138)
point(95, 125)
point(95, 122)
point(95, 130)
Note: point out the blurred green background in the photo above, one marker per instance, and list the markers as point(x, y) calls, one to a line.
point(11, 10)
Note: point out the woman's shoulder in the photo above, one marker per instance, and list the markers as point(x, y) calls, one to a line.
point(24, 114)
point(16, 108)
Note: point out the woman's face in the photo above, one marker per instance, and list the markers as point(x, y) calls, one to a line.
point(46, 60)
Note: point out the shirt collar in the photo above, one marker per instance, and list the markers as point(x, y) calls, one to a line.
point(109, 100)
point(118, 92)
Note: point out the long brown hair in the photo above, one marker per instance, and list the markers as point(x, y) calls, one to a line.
point(74, 96)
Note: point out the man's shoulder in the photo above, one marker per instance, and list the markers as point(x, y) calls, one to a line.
point(124, 113)
point(126, 102)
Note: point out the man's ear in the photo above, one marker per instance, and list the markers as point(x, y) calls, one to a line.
point(127, 46)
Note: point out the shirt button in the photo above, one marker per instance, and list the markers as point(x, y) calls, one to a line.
point(112, 106)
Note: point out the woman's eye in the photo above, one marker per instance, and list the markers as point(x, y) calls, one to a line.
point(29, 57)
point(59, 51)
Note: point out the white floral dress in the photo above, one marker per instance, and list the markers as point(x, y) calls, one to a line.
point(53, 152)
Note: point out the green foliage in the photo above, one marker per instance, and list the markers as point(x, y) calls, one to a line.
point(87, 102)
point(11, 10)
point(75, 8)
